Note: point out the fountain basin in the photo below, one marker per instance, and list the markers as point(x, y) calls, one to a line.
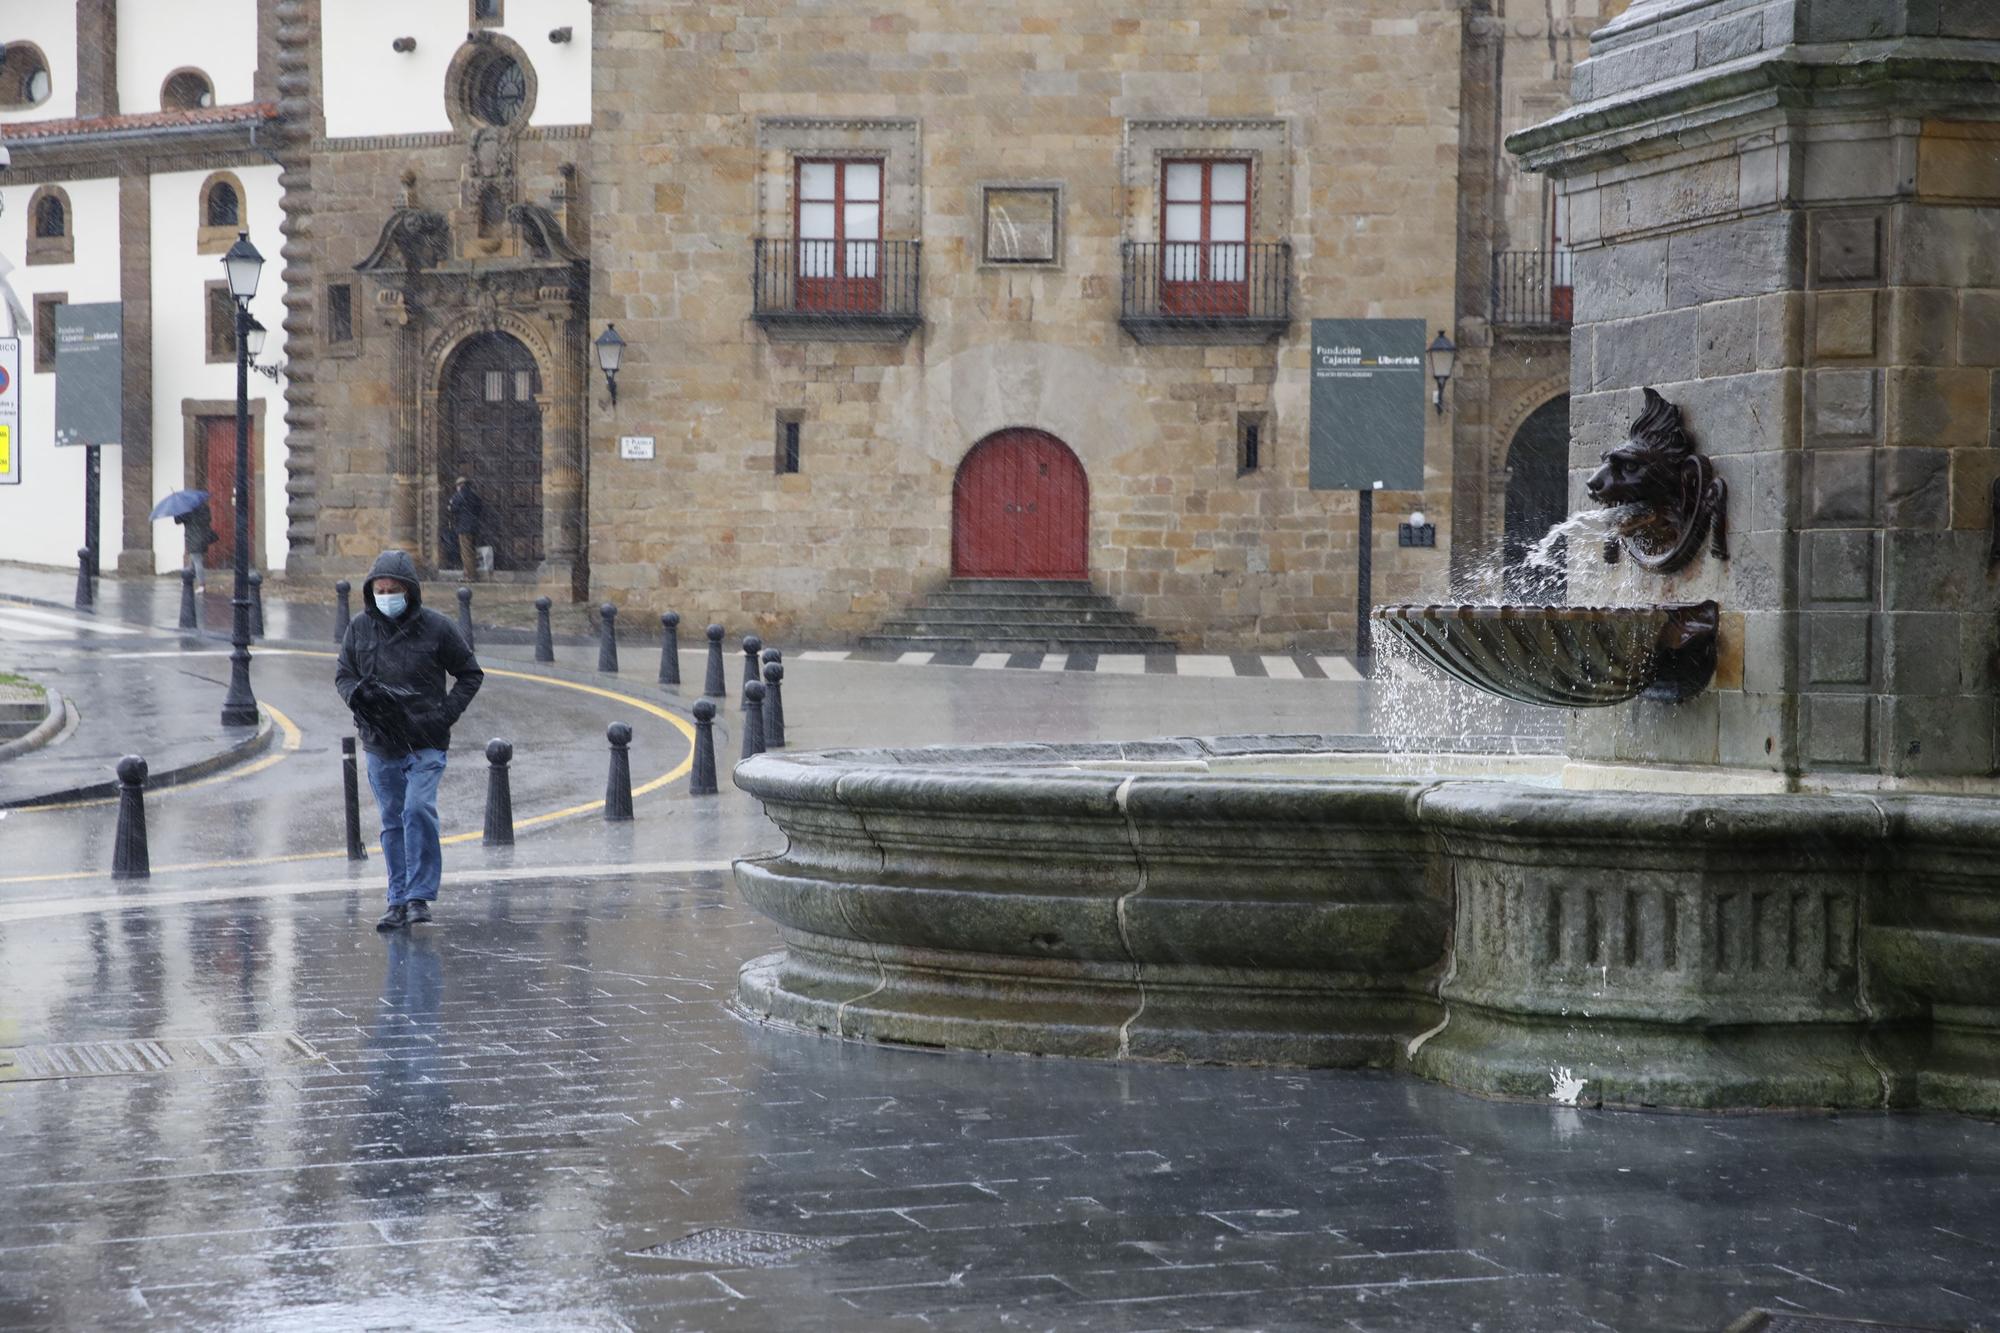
point(1565, 656)
point(1116, 901)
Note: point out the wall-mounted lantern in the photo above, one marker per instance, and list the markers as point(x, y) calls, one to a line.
point(1443, 355)
point(254, 335)
point(1418, 531)
point(610, 352)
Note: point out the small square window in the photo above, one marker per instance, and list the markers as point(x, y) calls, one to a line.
point(487, 11)
point(220, 322)
point(1021, 224)
point(791, 425)
point(1252, 442)
point(340, 313)
point(45, 330)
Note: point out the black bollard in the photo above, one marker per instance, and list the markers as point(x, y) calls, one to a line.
point(85, 594)
point(343, 610)
point(545, 643)
point(752, 645)
point(128, 851)
point(701, 780)
point(607, 639)
point(189, 618)
point(499, 795)
point(465, 614)
point(256, 605)
point(753, 718)
point(618, 787)
point(350, 785)
point(774, 706)
point(716, 686)
point(670, 648)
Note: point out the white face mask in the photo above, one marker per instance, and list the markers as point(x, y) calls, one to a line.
point(391, 604)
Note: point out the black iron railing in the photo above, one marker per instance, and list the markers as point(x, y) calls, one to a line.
point(856, 284)
point(1532, 287)
point(1169, 286)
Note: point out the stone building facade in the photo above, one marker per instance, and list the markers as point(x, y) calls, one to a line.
point(846, 249)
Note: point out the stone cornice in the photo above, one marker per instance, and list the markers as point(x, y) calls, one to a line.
point(439, 139)
point(1912, 77)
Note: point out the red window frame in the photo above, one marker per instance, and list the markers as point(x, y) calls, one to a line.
point(837, 290)
point(1205, 293)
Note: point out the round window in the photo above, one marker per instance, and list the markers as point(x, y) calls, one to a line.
point(24, 75)
point(498, 88)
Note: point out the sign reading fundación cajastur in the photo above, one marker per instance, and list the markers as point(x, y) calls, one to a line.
point(1368, 406)
point(90, 371)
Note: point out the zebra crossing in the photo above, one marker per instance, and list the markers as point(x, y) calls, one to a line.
point(20, 623)
point(1274, 666)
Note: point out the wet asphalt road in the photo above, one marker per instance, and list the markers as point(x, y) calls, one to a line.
point(244, 1109)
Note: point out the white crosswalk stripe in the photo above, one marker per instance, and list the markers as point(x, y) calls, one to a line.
point(26, 622)
point(914, 659)
point(1282, 668)
point(1055, 662)
point(991, 661)
point(1122, 664)
point(1200, 664)
point(824, 655)
point(1338, 668)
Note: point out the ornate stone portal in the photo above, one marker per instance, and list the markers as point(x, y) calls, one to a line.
point(496, 266)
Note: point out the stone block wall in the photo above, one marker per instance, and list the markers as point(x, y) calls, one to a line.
point(1351, 111)
point(1815, 286)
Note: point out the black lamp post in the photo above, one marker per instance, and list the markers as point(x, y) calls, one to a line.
point(1443, 355)
point(243, 264)
point(610, 351)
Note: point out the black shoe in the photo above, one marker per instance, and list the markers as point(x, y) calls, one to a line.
point(394, 919)
point(420, 910)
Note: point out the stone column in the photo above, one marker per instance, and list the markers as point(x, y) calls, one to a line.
point(135, 296)
point(1787, 219)
point(564, 439)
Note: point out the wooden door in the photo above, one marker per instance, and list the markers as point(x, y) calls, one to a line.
point(1205, 234)
point(218, 436)
point(493, 438)
point(1020, 510)
point(837, 229)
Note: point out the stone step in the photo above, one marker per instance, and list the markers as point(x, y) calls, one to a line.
point(1014, 615)
point(1020, 586)
point(1004, 600)
point(30, 711)
point(924, 626)
point(889, 643)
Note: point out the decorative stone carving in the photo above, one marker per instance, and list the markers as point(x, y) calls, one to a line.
point(1670, 494)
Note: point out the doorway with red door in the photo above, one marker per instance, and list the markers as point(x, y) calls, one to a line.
point(1020, 510)
point(218, 477)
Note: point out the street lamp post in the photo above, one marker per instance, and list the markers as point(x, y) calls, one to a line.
point(243, 264)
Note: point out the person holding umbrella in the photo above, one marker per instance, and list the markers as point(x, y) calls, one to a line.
point(189, 509)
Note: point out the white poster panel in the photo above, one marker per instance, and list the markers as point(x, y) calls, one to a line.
point(10, 411)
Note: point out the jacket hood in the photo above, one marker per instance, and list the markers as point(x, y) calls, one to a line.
point(395, 565)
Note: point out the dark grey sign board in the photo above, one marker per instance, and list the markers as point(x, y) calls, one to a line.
point(1368, 381)
point(90, 373)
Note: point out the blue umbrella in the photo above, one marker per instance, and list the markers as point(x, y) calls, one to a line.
point(180, 502)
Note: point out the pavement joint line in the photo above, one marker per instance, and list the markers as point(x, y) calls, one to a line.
point(677, 772)
point(45, 908)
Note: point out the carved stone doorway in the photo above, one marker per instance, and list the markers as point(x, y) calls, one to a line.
point(492, 435)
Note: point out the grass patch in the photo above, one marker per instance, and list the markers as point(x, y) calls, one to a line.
point(10, 681)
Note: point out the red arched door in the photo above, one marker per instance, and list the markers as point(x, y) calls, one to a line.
point(1020, 509)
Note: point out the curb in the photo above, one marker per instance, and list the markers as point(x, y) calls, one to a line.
point(173, 777)
point(44, 730)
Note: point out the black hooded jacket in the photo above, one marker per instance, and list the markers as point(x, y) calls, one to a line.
point(392, 672)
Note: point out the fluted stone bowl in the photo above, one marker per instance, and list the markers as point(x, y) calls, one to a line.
point(1565, 656)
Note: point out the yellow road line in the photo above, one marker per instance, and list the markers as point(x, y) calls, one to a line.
point(679, 770)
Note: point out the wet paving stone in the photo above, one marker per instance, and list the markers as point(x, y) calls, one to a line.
point(540, 1113)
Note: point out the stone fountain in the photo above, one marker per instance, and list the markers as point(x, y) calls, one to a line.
point(1763, 872)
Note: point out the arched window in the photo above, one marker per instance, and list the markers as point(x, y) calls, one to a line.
point(492, 212)
point(24, 76)
point(222, 211)
point(51, 227)
point(186, 90)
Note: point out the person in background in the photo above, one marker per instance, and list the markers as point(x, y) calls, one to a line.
point(393, 662)
point(200, 525)
point(467, 513)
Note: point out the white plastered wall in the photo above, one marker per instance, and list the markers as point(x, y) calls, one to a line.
point(373, 90)
point(157, 37)
point(181, 369)
point(41, 520)
point(50, 25)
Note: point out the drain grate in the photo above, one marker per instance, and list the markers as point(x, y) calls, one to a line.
point(729, 1247)
point(100, 1059)
point(1778, 1321)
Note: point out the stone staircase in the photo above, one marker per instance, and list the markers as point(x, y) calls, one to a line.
point(20, 713)
point(1016, 616)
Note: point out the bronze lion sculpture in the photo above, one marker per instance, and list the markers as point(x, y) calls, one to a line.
point(1669, 495)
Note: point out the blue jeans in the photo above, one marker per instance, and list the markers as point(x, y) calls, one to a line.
point(406, 792)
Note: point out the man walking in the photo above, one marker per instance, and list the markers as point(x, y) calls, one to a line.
point(467, 513)
point(393, 662)
point(200, 524)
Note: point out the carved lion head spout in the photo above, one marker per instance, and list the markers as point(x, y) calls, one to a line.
point(1669, 494)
